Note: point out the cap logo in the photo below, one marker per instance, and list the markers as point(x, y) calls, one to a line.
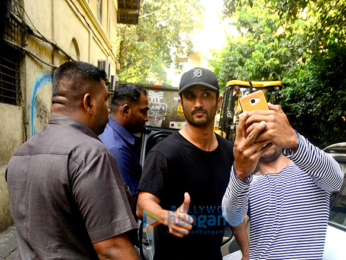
point(197, 73)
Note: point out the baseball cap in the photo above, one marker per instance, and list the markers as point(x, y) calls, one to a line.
point(198, 76)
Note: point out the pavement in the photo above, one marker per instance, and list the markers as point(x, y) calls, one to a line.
point(8, 244)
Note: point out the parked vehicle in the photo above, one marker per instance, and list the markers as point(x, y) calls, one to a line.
point(335, 248)
point(235, 89)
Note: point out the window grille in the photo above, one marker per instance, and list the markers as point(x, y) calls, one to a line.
point(10, 91)
point(10, 57)
point(14, 31)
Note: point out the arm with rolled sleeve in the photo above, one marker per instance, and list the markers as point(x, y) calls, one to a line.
point(235, 199)
point(323, 169)
point(100, 195)
point(246, 152)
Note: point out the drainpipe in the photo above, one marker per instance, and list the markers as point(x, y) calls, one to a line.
point(53, 33)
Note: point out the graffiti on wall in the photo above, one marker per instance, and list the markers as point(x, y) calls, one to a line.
point(157, 110)
point(38, 111)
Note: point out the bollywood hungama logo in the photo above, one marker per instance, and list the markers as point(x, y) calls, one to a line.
point(150, 221)
point(205, 217)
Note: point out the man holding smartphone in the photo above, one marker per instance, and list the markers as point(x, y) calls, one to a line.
point(287, 200)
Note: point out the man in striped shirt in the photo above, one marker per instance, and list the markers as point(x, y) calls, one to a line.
point(287, 200)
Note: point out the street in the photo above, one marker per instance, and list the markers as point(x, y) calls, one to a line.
point(8, 244)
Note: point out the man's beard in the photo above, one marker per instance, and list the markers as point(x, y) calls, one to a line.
point(202, 122)
point(271, 155)
point(136, 129)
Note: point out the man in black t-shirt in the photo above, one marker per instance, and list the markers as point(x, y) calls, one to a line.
point(185, 176)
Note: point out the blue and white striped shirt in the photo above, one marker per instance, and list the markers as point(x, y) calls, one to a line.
point(288, 210)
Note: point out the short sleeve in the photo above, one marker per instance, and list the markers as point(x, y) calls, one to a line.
point(101, 197)
point(154, 175)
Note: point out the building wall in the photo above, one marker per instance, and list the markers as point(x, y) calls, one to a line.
point(10, 137)
point(71, 25)
point(5, 204)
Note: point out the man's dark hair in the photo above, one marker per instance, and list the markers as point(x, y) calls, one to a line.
point(127, 93)
point(70, 79)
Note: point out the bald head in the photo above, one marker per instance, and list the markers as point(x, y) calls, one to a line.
point(79, 92)
point(72, 80)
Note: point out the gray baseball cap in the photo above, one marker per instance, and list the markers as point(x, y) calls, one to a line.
point(198, 76)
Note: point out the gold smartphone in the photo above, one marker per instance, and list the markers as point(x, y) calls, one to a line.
point(254, 101)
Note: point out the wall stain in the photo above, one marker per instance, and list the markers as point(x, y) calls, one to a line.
point(43, 113)
point(37, 107)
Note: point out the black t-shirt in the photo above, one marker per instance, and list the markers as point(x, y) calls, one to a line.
point(175, 166)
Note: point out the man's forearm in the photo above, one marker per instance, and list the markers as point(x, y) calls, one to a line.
point(234, 202)
point(179, 222)
point(324, 170)
point(118, 247)
point(242, 238)
point(152, 207)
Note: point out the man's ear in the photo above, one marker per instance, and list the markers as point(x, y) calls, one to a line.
point(181, 104)
point(87, 103)
point(219, 102)
point(126, 109)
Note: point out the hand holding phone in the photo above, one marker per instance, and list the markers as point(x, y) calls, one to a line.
point(254, 101)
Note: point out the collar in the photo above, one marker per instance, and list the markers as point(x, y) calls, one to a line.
point(130, 138)
point(69, 121)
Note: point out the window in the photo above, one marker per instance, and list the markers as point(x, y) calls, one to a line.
point(99, 10)
point(10, 57)
point(155, 138)
point(10, 76)
point(338, 208)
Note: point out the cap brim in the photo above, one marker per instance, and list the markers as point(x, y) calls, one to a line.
point(198, 83)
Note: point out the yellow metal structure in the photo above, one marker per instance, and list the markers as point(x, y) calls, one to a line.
point(231, 108)
point(255, 84)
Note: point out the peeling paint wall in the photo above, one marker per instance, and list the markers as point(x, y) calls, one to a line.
point(11, 131)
